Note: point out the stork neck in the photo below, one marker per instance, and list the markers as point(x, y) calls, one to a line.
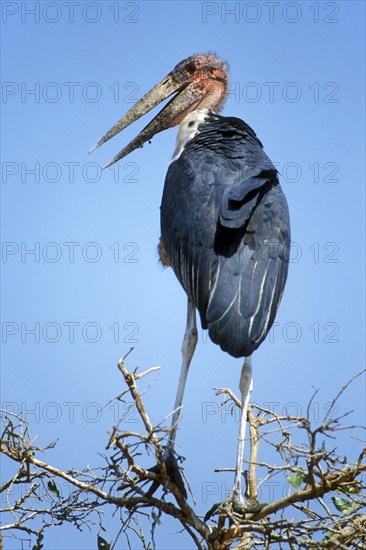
point(188, 129)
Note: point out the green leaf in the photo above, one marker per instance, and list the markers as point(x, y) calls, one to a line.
point(296, 479)
point(103, 544)
point(52, 487)
point(345, 506)
point(349, 489)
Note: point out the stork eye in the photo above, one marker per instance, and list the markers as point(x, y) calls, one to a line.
point(214, 72)
point(191, 68)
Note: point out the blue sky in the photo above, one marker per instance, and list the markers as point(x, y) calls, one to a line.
point(92, 286)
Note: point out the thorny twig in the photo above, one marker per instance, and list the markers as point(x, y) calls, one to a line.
point(300, 519)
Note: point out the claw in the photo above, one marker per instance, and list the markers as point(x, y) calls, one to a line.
point(173, 471)
point(231, 507)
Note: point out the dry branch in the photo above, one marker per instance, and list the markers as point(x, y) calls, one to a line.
point(301, 519)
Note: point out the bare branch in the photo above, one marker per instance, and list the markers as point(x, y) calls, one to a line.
point(303, 518)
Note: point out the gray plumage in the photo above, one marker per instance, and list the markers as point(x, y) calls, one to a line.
point(226, 231)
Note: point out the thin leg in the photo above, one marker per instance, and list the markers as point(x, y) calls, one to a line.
point(188, 347)
point(246, 387)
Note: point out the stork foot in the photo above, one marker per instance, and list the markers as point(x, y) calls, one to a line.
point(173, 471)
point(235, 507)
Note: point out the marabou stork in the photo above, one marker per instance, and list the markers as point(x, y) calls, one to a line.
point(225, 226)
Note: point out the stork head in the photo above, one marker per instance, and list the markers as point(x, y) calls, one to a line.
point(200, 81)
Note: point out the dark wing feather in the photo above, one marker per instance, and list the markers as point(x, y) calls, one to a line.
point(225, 229)
point(240, 199)
point(256, 275)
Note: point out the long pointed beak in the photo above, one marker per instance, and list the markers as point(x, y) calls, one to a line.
point(181, 102)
